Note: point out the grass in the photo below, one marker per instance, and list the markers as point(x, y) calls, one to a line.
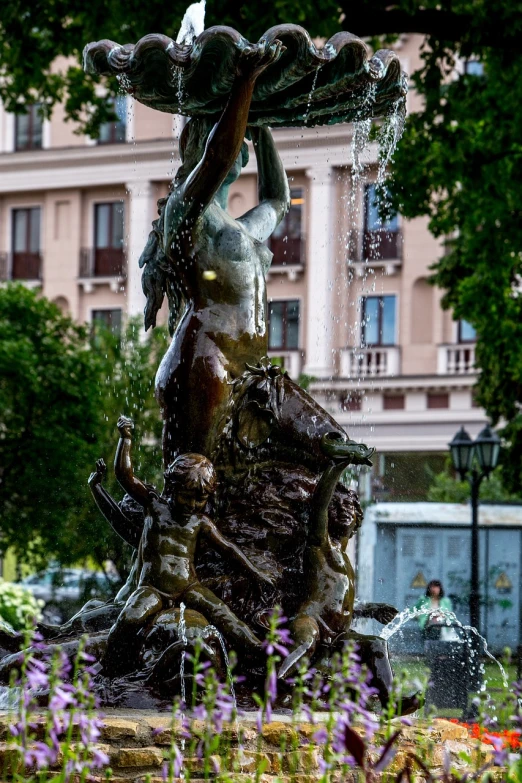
point(415, 668)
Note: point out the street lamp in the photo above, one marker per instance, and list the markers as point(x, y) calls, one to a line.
point(466, 454)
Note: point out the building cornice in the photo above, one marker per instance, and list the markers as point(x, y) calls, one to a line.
point(155, 160)
point(401, 382)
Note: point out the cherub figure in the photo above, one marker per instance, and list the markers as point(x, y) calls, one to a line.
point(327, 611)
point(174, 521)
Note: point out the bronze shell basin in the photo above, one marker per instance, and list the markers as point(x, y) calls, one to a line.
point(306, 86)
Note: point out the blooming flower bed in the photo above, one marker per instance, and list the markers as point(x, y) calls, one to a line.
point(510, 738)
point(330, 734)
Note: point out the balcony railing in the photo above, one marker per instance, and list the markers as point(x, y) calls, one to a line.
point(375, 246)
point(456, 359)
point(378, 361)
point(102, 262)
point(288, 251)
point(20, 266)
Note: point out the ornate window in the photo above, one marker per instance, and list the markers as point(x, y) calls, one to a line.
point(466, 332)
point(381, 238)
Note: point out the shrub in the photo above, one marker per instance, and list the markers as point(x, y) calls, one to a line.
point(18, 606)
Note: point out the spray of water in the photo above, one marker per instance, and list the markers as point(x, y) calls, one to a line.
point(211, 630)
point(183, 634)
point(451, 619)
point(124, 82)
point(177, 78)
point(310, 95)
point(193, 24)
point(389, 137)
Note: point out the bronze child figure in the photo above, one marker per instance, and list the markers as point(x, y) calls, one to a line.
point(326, 613)
point(174, 521)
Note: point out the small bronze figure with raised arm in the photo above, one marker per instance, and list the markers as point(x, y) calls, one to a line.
point(173, 522)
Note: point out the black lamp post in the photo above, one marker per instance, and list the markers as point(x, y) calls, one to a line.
point(465, 454)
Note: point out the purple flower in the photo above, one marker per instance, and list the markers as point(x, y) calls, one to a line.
point(275, 646)
point(178, 761)
point(41, 755)
point(500, 754)
point(99, 758)
point(200, 712)
point(158, 730)
point(271, 684)
point(321, 736)
point(36, 678)
point(278, 639)
point(62, 698)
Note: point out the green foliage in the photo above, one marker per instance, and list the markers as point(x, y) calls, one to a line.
point(460, 163)
point(126, 370)
point(18, 606)
point(48, 421)
point(59, 401)
point(446, 488)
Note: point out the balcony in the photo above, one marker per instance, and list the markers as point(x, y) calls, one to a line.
point(378, 362)
point(375, 249)
point(456, 359)
point(21, 266)
point(291, 361)
point(289, 255)
point(102, 265)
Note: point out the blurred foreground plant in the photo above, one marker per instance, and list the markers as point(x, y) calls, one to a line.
point(331, 735)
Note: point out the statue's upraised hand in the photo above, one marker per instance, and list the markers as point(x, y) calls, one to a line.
point(256, 57)
point(99, 474)
point(384, 613)
point(125, 427)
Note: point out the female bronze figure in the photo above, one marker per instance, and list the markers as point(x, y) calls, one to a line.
point(212, 266)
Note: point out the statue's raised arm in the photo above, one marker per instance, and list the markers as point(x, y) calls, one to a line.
point(191, 196)
point(274, 192)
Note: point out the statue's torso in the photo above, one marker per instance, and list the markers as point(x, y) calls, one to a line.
point(330, 581)
point(167, 549)
point(223, 270)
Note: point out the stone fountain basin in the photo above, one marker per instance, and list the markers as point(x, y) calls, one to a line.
point(338, 82)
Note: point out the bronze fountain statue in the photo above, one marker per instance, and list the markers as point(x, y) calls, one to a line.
point(251, 462)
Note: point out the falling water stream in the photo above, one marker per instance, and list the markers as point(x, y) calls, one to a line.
point(310, 95)
point(451, 620)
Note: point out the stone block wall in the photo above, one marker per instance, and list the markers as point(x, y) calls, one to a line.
point(137, 743)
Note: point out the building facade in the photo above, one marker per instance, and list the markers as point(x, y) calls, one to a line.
point(350, 303)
